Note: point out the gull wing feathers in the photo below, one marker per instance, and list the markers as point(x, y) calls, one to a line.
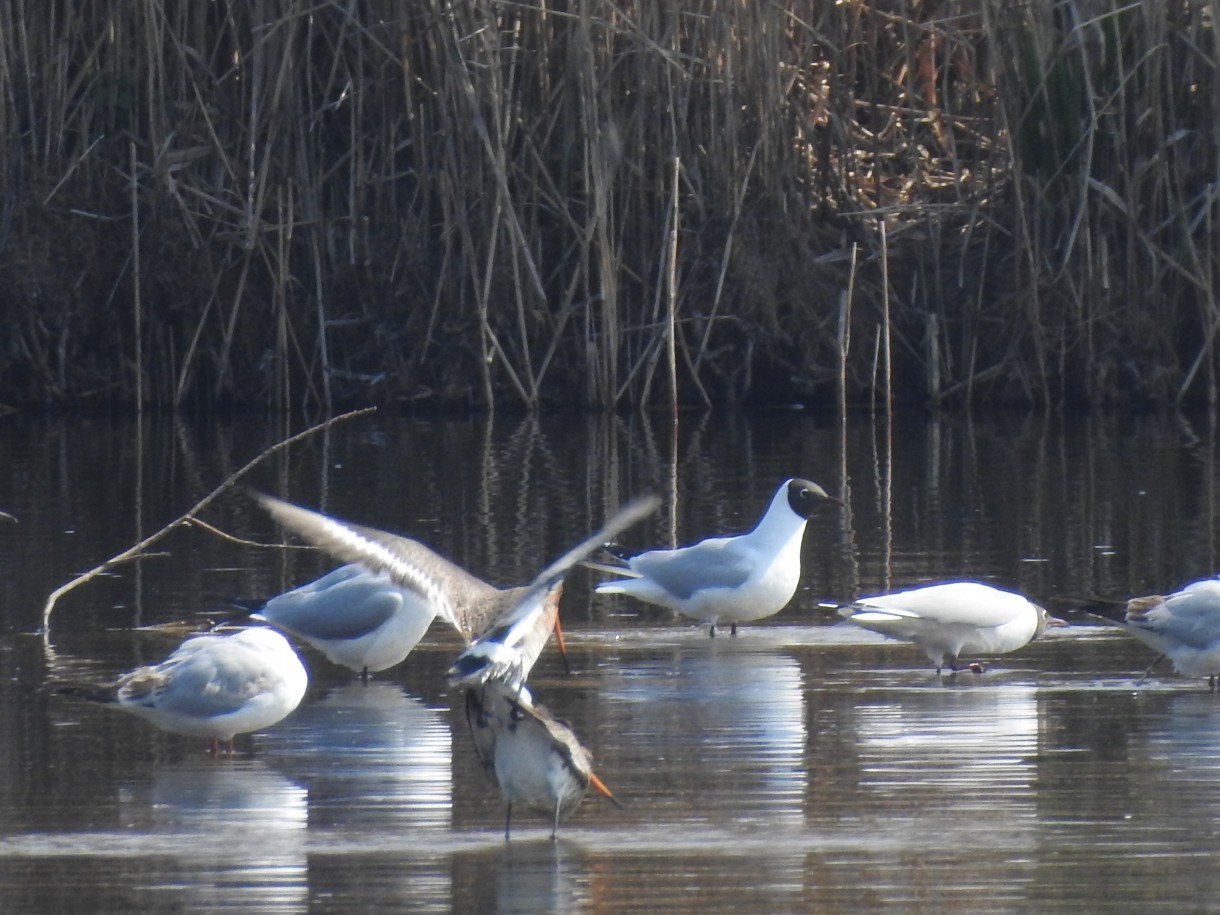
point(721, 562)
point(343, 604)
point(411, 564)
point(956, 603)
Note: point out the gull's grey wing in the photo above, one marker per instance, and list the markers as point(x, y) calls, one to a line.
point(719, 563)
point(206, 677)
point(339, 607)
point(1190, 616)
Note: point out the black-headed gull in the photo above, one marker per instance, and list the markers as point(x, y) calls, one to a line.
point(213, 686)
point(512, 624)
point(357, 618)
point(535, 758)
point(731, 580)
point(952, 618)
point(1183, 626)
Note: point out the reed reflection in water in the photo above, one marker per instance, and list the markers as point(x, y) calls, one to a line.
point(796, 767)
point(739, 714)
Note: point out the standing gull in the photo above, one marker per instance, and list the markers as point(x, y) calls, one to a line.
point(1183, 626)
point(953, 617)
point(213, 686)
point(728, 579)
point(357, 618)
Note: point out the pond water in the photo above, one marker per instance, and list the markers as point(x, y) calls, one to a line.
point(803, 765)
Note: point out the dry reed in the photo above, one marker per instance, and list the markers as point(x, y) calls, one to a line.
point(476, 202)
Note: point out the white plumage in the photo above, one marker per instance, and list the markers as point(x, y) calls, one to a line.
point(214, 685)
point(1184, 626)
point(953, 618)
point(357, 618)
point(734, 579)
point(512, 625)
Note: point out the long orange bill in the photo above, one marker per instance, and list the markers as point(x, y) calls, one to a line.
point(563, 649)
point(600, 787)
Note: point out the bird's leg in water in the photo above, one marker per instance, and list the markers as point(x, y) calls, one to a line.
point(1155, 662)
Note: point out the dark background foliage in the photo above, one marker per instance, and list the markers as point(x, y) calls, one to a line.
point(458, 203)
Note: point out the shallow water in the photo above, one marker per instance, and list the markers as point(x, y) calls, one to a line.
point(800, 766)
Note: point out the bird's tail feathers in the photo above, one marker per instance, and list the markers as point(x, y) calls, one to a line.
point(88, 691)
point(610, 569)
point(245, 610)
point(1101, 609)
point(617, 550)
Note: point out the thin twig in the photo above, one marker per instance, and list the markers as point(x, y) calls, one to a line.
point(138, 549)
point(242, 541)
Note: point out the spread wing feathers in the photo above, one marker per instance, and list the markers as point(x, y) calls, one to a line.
point(629, 514)
point(510, 647)
point(610, 569)
point(411, 564)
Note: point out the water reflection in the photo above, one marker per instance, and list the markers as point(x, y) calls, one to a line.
point(534, 876)
point(376, 761)
point(735, 715)
point(953, 754)
point(790, 769)
point(233, 830)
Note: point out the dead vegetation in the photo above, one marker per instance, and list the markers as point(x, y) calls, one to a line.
point(423, 202)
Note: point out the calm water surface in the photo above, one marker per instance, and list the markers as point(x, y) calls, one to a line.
point(801, 766)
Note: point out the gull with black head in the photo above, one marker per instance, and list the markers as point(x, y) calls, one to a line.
point(737, 579)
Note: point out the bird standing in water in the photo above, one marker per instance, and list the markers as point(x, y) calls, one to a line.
point(213, 686)
point(954, 617)
point(730, 580)
point(1183, 626)
point(534, 757)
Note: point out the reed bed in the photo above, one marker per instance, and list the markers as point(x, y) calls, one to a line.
point(308, 204)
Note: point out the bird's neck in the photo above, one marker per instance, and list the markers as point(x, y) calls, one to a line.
point(778, 527)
